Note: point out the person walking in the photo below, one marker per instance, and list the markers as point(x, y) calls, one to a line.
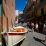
point(20, 24)
point(36, 27)
point(44, 30)
point(32, 24)
point(28, 24)
point(24, 24)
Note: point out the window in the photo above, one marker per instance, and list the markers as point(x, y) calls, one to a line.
point(42, 11)
point(32, 14)
point(0, 1)
point(41, 0)
point(0, 7)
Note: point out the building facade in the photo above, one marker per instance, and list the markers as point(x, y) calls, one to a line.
point(40, 10)
point(29, 9)
point(0, 17)
point(20, 17)
point(35, 11)
point(8, 15)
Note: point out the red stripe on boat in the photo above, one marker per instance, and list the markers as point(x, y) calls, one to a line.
point(12, 34)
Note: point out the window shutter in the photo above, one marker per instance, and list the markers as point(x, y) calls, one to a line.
point(0, 9)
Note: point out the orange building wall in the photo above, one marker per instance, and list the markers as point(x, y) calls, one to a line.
point(8, 12)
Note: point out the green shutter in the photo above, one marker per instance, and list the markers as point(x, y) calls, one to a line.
point(0, 9)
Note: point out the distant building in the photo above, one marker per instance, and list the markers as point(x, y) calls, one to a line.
point(40, 13)
point(21, 16)
point(16, 16)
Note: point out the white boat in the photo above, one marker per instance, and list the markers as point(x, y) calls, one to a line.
point(13, 38)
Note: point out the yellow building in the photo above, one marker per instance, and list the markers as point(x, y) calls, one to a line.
point(40, 10)
point(35, 11)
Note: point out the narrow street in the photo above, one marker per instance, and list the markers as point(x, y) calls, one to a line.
point(15, 16)
point(33, 39)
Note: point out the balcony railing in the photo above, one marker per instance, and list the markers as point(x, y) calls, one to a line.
point(45, 12)
point(33, 17)
point(30, 16)
point(29, 12)
point(40, 14)
point(38, 5)
point(29, 5)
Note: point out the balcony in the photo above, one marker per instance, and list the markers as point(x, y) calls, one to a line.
point(29, 5)
point(40, 14)
point(31, 16)
point(45, 12)
point(41, 3)
point(29, 12)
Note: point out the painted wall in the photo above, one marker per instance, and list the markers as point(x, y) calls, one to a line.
point(39, 9)
point(0, 17)
point(8, 12)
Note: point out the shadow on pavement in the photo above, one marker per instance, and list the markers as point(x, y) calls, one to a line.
point(20, 43)
point(39, 40)
point(3, 41)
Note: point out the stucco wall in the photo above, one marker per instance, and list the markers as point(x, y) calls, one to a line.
point(8, 12)
point(39, 9)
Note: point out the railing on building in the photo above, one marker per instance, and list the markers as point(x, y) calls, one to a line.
point(39, 4)
point(28, 12)
point(29, 5)
point(45, 12)
point(38, 15)
point(30, 16)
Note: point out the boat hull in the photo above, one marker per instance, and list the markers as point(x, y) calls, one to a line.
point(15, 39)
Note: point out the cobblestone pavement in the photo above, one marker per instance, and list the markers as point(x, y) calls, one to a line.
point(33, 39)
